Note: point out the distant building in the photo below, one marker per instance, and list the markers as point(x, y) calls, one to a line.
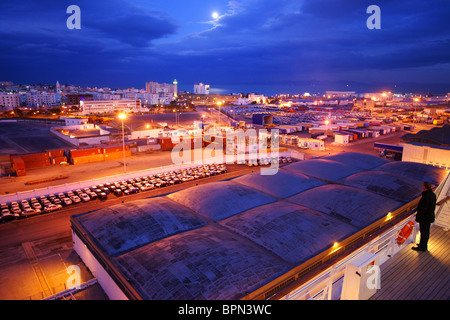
point(166, 92)
point(258, 98)
point(42, 99)
point(340, 94)
point(9, 101)
point(76, 98)
point(200, 88)
point(110, 106)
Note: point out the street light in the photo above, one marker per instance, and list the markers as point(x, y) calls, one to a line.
point(122, 117)
point(219, 104)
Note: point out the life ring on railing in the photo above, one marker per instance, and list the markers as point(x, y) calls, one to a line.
point(405, 233)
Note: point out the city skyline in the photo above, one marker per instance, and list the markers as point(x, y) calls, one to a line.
point(268, 47)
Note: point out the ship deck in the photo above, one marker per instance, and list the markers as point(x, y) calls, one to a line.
point(413, 275)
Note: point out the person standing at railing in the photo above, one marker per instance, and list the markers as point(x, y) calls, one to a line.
point(425, 215)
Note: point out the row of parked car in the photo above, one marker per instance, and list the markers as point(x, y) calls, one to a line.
point(265, 161)
point(50, 203)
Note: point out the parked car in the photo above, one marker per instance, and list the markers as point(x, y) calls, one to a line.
point(92, 195)
point(84, 197)
point(67, 201)
point(36, 205)
point(75, 199)
point(16, 211)
point(52, 207)
point(6, 215)
point(30, 212)
point(103, 196)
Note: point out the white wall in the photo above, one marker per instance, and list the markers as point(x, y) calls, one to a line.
point(427, 154)
point(106, 282)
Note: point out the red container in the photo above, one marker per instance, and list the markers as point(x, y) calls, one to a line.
point(56, 153)
point(58, 160)
point(37, 164)
point(114, 149)
point(35, 156)
point(17, 163)
point(21, 172)
point(87, 159)
point(85, 152)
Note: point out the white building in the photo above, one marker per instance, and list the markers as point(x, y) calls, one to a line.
point(99, 96)
point(258, 98)
point(111, 106)
point(339, 94)
point(9, 101)
point(42, 99)
point(166, 92)
point(201, 88)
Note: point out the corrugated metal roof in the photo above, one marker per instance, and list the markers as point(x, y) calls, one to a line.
point(327, 170)
point(282, 185)
point(293, 232)
point(355, 206)
point(203, 264)
point(386, 184)
point(221, 200)
point(415, 170)
point(124, 227)
point(357, 160)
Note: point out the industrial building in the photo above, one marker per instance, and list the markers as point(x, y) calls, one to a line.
point(251, 237)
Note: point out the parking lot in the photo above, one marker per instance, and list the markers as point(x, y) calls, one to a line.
point(54, 202)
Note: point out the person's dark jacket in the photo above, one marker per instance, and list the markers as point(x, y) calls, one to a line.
point(426, 207)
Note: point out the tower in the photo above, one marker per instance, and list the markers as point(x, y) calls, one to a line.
point(58, 93)
point(175, 89)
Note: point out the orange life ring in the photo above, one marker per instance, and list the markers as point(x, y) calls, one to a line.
point(405, 233)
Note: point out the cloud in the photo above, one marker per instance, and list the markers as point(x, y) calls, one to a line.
point(134, 29)
point(253, 42)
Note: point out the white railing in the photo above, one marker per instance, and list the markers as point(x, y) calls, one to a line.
point(328, 284)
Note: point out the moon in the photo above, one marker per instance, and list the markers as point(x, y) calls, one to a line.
point(215, 15)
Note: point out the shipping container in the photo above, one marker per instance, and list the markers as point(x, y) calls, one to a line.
point(35, 156)
point(21, 172)
point(116, 155)
point(85, 152)
point(55, 153)
point(114, 149)
point(37, 164)
point(87, 159)
point(17, 163)
point(58, 160)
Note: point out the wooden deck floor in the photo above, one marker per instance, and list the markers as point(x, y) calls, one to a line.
point(412, 275)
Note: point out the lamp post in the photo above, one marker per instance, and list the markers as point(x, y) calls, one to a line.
point(327, 122)
point(123, 116)
point(219, 104)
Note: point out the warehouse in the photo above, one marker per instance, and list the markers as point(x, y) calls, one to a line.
point(244, 238)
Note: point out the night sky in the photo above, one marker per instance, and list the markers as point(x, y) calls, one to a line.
point(262, 46)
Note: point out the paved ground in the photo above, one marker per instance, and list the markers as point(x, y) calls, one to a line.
point(20, 138)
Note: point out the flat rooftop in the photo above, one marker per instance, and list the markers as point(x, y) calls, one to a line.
point(223, 240)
